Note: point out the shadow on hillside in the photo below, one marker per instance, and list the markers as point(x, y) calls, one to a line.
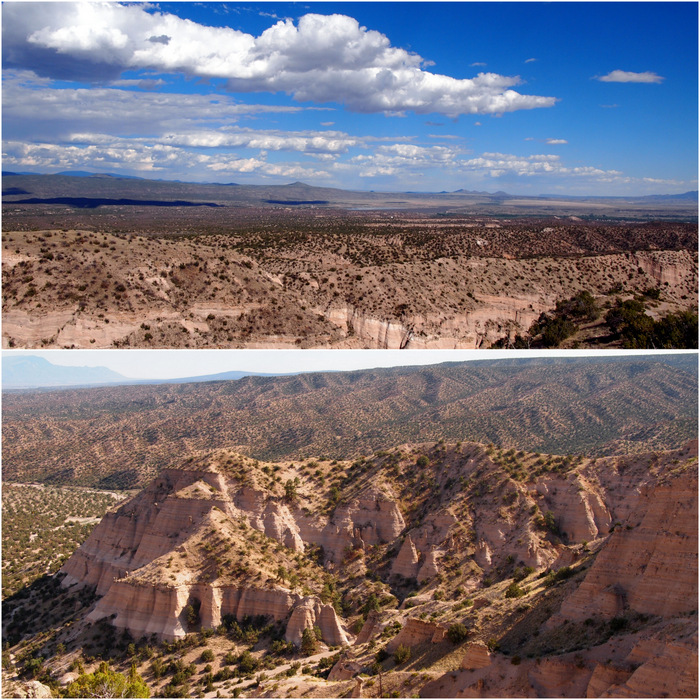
point(94, 202)
point(43, 605)
point(14, 191)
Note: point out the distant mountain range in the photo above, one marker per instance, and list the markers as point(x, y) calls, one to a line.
point(30, 371)
point(33, 372)
point(690, 196)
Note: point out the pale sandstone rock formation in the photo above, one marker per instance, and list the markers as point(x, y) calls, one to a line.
point(25, 689)
point(406, 562)
point(652, 567)
point(477, 656)
point(605, 677)
point(416, 632)
point(643, 665)
point(368, 629)
point(649, 568)
point(371, 518)
point(662, 669)
point(310, 613)
point(124, 554)
point(430, 565)
point(153, 609)
point(148, 526)
point(583, 513)
point(344, 670)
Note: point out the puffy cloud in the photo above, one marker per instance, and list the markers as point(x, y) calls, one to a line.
point(147, 159)
point(320, 58)
point(302, 142)
point(53, 157)
point(403, 158)
point(316, 143)
point(555, 142)
point(625, 76)
point(498, 164)
point(400, 162)
point(30, 111)
point(501, 164)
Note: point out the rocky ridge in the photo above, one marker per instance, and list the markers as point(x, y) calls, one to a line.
point(426, 526)
point(87, 289)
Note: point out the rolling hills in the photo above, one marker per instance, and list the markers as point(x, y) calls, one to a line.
point(122, 436)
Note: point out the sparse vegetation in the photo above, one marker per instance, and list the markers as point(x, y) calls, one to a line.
point(43, 526)
point(143, 429)
point(135, 266)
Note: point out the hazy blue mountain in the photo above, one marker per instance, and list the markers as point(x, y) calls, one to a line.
point(30, 371)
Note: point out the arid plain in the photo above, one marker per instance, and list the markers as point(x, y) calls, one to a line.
point(99, 262)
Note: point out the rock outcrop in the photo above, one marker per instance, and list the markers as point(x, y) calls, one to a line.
point(150, 559)
point(643, 666)
point(416, 632)
point(372, 517)
point(25, 689)
point(406, 562)
point(310, 613)
point(584, 515)
point(161, 609)
point(222, 538)
point(477, 656)
point(650, 565)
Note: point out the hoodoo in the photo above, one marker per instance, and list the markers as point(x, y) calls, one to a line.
point(567, 576)
point(201, 537)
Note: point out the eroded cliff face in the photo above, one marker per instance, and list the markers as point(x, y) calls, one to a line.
point(500, 311)
point(650, 563)
point(474, 293)
point(221, 535)
point(151, 559)
point(146, 559)
point(662, 662)
point(646, 570)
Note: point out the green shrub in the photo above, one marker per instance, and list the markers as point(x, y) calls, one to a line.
point(309, 643)
point(402, 654)
point(457, 633)
point(106, 683)
point(514, 590)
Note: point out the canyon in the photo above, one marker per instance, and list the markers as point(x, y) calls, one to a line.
point(502, 572)
point(249, 274)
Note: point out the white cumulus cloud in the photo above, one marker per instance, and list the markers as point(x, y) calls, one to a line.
point(321, 58)
point(625, 76)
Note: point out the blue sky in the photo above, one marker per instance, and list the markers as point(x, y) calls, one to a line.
point(564, 97)
point(173, 364)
